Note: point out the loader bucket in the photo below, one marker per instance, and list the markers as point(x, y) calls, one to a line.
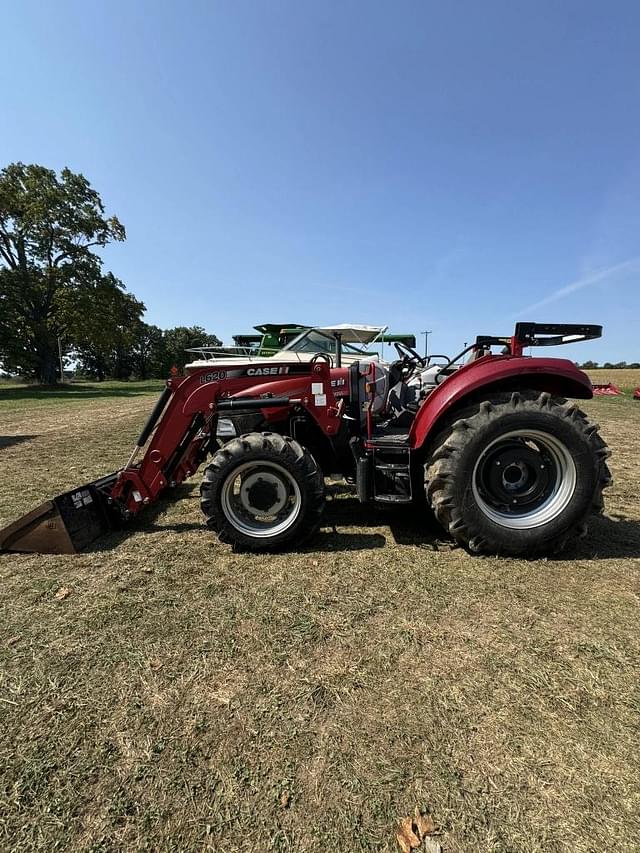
point(64, 525)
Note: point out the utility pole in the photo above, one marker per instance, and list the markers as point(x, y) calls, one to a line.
point(426, 342)
point(60, 357)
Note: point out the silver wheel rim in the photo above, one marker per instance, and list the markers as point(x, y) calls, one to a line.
point(261, 499)
point(550, 450)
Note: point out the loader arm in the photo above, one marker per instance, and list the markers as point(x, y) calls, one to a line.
point(173, 443)
point(180, 440)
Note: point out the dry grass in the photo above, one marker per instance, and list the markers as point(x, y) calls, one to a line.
point(626, 379)
point(183, 697)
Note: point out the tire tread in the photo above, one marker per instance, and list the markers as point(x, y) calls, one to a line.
point(440, 468)
point(270, 445)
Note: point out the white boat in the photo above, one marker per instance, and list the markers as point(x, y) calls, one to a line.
point(350, 338)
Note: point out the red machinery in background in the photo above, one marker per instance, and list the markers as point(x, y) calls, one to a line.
point(606, 389)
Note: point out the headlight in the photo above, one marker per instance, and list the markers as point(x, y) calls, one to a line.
point(226, 428)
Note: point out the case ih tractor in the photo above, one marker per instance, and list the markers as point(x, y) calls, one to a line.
point(493, 447)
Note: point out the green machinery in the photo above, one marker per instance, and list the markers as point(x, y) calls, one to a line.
point(272, 337)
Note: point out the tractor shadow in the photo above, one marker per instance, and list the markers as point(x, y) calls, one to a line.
point(81, 391)
point(347, 526)
point(147, 521)
point(340, 515)
point(609, 538)
point(11, 440)
point(408, 525)
point(341, 540)
point(345, 513)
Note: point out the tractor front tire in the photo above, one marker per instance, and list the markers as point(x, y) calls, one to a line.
point(263, 492)
point(518, 474)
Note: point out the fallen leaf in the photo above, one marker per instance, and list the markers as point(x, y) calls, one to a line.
point(148, 570)
point(403, 844)
point(424, 824)
point(285, 799)
point(13, 640)
point(432, 846)
point(407, 839)
point(63, 593)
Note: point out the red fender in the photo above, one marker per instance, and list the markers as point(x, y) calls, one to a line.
point(556, 375)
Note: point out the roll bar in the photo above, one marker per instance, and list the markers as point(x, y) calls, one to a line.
point(554, 334)
point(542, 335)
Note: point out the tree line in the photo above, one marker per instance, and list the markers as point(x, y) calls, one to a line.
point(139, 350)
point(55, 295)
point(608, 365)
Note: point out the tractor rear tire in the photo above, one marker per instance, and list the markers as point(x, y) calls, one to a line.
point(518, 474)
point(263, 492)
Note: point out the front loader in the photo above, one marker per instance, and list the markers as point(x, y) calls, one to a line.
point(493, 446)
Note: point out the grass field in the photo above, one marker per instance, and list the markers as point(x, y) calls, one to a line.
point(627, 380)
point(178, 696)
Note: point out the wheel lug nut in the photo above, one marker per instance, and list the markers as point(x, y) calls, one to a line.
point(498, 463)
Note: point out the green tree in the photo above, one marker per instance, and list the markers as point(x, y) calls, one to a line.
point(589, 365)
point(177, 340)
point(48, 228)
point(148, 351)
point(102, 327)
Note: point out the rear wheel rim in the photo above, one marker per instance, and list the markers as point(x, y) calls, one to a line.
point(524, 479)
point(261, 499)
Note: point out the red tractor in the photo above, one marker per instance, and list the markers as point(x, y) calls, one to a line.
point(493, 446)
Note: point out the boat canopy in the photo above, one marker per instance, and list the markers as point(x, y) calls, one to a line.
point(354, 334)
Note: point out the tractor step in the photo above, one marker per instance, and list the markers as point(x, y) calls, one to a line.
point(389, 440)
point(392, 482)
point(392, 499)
point(391, 466)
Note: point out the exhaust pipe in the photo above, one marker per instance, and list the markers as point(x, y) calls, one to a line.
point(65, 525)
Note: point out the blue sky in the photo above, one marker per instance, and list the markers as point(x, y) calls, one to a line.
point(446, 166)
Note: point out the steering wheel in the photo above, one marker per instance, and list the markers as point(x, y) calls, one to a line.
point(445, 358)
point(324, 356)
point(410, 359)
